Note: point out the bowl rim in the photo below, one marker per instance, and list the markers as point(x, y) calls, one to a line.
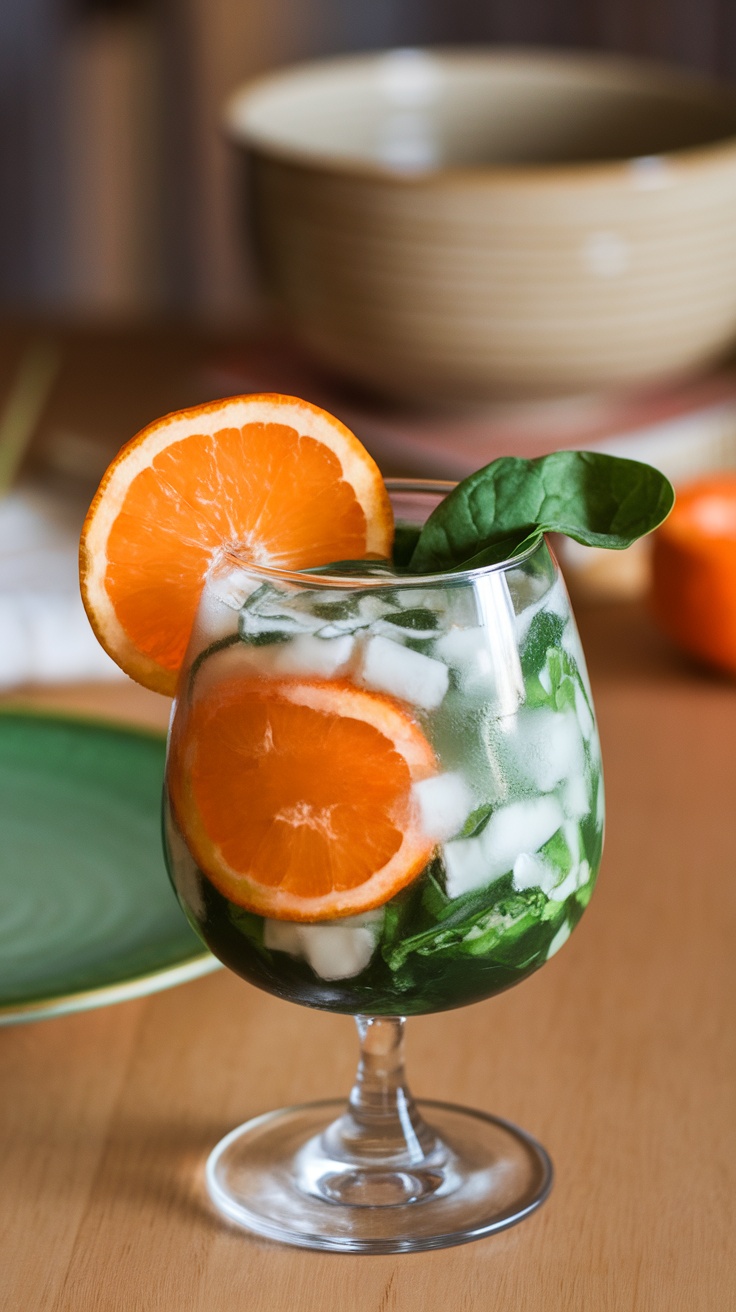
point(641, 73)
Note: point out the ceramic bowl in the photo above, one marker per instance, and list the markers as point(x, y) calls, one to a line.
point(451, 226)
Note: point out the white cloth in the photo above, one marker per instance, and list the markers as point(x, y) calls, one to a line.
point(45, 636)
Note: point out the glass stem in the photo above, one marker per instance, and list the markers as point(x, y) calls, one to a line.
point(382, 1123)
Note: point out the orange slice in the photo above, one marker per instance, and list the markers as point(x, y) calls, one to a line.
point(295, 797)
point(273, 478)
point(693, 593)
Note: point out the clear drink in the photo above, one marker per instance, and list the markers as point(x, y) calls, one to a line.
point(488, 664)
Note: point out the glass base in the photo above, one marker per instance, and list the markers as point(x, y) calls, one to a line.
point(285, 1175)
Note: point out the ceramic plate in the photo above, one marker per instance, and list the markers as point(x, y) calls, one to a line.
point(87, 914)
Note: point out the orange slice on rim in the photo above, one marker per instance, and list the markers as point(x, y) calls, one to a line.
point(295, 797)
point(273, 478)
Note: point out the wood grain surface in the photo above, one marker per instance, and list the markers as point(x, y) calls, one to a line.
point(618, 1055)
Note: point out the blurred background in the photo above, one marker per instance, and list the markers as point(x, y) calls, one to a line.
point(116, 187)
point(127, 290)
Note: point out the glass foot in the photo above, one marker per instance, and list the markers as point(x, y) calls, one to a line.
point(300, 1176)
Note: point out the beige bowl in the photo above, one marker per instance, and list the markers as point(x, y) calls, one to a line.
point(451, 226)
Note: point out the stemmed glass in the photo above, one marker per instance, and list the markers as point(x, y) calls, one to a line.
point(485, 666)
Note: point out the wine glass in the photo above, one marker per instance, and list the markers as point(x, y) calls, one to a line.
point(481, 673)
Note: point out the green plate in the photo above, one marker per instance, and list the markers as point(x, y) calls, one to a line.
point(87, 914)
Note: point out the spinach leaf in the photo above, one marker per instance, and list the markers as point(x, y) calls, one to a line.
point(266, 638)
point(419, 619)
point(476, 822)
point(490, 923)
point(405, 540)
point(545, 633)
point(250, 926)
point(335, 610)
point(198, 662)
point(597, 499)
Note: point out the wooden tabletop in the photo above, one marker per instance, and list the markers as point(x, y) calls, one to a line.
point(618, 1056)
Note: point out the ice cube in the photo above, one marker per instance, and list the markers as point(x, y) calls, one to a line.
point(568, 886)
point(526, 588)
point(374, 605)
point(335, 949)
point(571, 834)
point(556, 600)
point(575, 797)
point(584, 873)
point(577, 878)
point(404, 673)
point(282, 622)
point(340, 628)
point(468, 651)
point(453, 605)
point(279, 610)
point(466, 867)
point(241, 659)
point(233, 586)
point(521, 827)
point(282, 936)
point(532, 871)
point(392, 626)
point(334, 952)
point(459, 647)
point(307, 655)
point(348, 614)
point(513, 830)
point(445, 802)
point(585, 719)
point(600, 806)
point(549, 746)
point(559, 939)
point(215, 619)
point(436, 599)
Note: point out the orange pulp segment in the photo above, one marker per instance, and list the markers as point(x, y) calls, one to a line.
point(295, 797)
point(270, 478)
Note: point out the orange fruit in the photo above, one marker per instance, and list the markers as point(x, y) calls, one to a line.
point(295, 796)
point(693, 592)
point(271, 478)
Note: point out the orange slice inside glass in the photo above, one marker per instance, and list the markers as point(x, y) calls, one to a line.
point(295, 797)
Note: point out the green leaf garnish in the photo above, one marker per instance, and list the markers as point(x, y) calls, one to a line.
point(405, 540)
point(499, 511)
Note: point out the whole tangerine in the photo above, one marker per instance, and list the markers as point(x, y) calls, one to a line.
point(693, 589)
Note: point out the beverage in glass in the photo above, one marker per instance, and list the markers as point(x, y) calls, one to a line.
point(384, 798)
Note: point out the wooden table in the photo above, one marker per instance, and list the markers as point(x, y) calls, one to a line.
point(618, 1055)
